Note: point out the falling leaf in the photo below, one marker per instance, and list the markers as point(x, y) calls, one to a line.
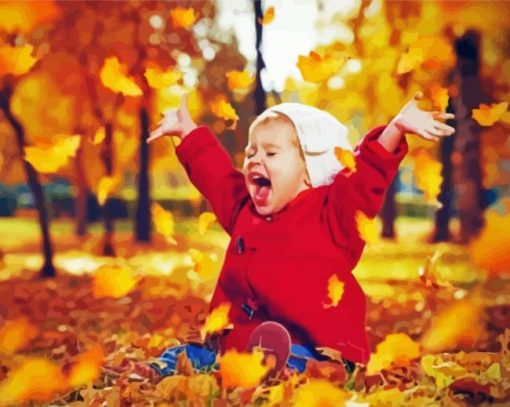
point(439, 97)
point(113, 281)
point(487, 115)
point(105, 189)
point(428, 51)
point(205, 265)
point(315, 68)
point(461, 323)
point(87, 368)
point(409, 61)
point(239, 79)
point(268, 16)
point(164, 222)
point(16, 60)
point(25, 16)
point(16, 334)
point(99, 136)
point(335, 291)
point(396, 350)
point(205, 220)
point(183, 17)
point(490, 249)
point(49, 159)
point(114, 76)
point(217, 320)
point(240, 369)
point(35, 379)
point(224, 110)
point(369, 229)
point(158, 79)
point(428, 175)
point(319, 393)
point(346, 158)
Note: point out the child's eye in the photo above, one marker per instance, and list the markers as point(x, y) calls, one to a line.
point(249, 155)
point(271, 154)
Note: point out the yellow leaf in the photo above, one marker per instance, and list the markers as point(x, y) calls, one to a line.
point(16, 60)
point(105, 189)
point(205, 265)
point(396, 350)
point(99, 136)
point(439, 97)
point(369, 229)
point(158, 79)
point(114, 76)
point(319, 393)
point(268, 16)
point(239, 369)
point(239, 79)
point(443, 373)
point(409, 61)
point(346, 158)
point(488, 115)
point(389, 397)
point(183, 17)
point(217, 320)
point(315, 68)
point(24, 16)
point(461, 323)
point(164, 222)
point(335, 291)
point(222, 109)
point(428, 175)
point(49, 159)
point(16, 334)
point(35, 379)
point(113, 281)
point(87, 368)
point(204, 221)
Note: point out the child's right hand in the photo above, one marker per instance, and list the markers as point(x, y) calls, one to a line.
point(175, 122)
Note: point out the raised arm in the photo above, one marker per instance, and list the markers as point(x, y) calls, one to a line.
point(207, 163)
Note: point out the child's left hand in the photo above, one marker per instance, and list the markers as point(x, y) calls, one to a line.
point(412, 119)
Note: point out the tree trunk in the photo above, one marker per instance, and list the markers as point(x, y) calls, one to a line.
point(48, 269)
point(388, 212)
point(467, 171)
point(260, 95)
point(108, 221)
point(445, 197)
point(143, 214)
point(81, 196)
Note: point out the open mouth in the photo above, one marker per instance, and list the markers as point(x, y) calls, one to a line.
point(262, 188)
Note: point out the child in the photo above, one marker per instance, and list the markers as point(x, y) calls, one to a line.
point(291, 214)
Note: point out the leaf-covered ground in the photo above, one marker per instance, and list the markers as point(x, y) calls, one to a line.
point(436, 324)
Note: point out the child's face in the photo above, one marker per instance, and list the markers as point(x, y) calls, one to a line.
point(273, 169)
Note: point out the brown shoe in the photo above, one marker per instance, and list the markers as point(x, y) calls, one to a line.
point(274, 340)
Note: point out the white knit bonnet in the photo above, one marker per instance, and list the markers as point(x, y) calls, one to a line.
point(319, 133)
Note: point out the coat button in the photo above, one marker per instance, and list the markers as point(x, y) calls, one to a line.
point(269, 218)
point(240, 245)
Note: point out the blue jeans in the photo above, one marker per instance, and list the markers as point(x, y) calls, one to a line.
point(204, 359)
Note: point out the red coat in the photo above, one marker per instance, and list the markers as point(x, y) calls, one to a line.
point(279, 265)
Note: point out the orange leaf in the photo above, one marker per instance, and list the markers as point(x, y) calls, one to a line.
point(458, 324)
point(217, 320)
point(113, 281)
point(488, 115)
point(105, 188)
point(114, 76)
point(428, 175)
point(16, 60)
point(16, 334)
point(164, 222)
point(346, 158)
point(396, 350)
point(319, 393)
point(239, 79)
point(183, 17)
point(315, 68)
point(369, 229)
point(49, 159)
point(268, 16)
point(87, 368)
point(335, 291)
point(204, 221)
point(222, 109)
point(36, 379)
point(439, 97)
point(24, 16)
point(239, 369)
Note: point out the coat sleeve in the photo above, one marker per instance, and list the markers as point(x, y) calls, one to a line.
point(211, 171)
point(362, 190)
